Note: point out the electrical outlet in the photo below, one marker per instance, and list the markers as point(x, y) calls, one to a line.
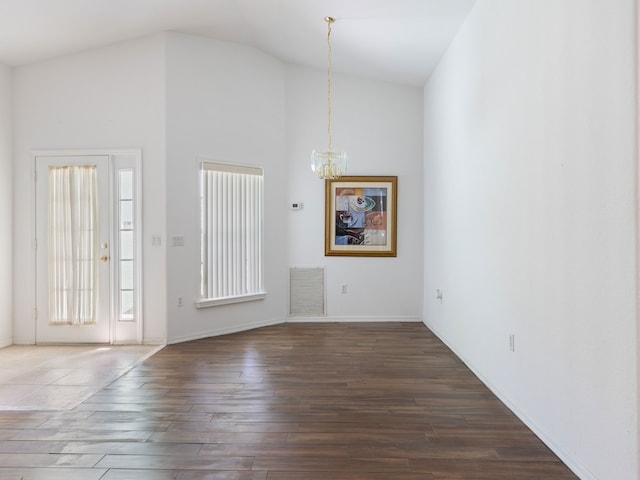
point(179, 301)
point(344, 288)
point(512, 342)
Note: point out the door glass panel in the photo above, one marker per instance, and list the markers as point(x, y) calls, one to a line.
point(126, 305)
point(126, 274)
point(126, 184)
point(126, 214)
point(72, 244)
point(126, 247)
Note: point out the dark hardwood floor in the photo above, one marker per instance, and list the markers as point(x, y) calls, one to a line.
point(367, 401)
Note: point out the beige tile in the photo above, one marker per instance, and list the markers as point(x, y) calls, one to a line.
point(11, 396)
point(51, 473)
point(48, 377)
point(39, 376)
point(48, 460)
point(56, 397)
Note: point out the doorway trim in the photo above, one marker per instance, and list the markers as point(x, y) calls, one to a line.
point(119, 159)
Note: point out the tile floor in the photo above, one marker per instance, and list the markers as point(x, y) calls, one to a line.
point(60, 377)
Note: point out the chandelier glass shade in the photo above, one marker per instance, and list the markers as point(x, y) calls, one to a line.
point(329, 164)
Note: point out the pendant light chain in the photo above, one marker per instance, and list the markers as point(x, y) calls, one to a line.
point(329, 21)
point(329, 164)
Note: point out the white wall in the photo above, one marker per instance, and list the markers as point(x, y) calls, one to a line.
point(6, 208)
point(380, 126)
point(224, 102)
point(107, 98)
point(530, 221)
point(231, 103)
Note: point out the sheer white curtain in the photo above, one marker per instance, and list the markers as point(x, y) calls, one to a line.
point(232, 231)
point(73, 245)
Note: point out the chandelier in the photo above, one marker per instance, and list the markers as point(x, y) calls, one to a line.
point(329, 164)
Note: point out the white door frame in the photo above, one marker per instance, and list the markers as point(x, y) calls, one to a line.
point(119, 332)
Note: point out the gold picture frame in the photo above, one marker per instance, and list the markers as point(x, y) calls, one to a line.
point(361, 216)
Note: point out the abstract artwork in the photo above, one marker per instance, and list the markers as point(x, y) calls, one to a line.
point(360, 216)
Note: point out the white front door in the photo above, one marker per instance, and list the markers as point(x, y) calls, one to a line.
point(73, 250)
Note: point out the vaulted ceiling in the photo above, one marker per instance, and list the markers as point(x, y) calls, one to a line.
point(393, 40)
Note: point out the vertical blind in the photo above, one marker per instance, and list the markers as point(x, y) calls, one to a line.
point(72, 245)
point(231, 230)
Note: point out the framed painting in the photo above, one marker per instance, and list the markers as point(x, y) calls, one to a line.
point(360, 216)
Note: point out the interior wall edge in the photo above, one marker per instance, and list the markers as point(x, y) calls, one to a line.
point(637, 220)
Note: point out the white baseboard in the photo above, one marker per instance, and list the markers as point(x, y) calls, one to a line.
point(576, 467)
point(266, 323)
point(215, 332)
point(354, 319)
point(154, 341)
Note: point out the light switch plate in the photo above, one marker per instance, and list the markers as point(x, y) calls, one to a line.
point(177, 241)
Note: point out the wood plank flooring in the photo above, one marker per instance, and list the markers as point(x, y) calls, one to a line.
point(366, 401)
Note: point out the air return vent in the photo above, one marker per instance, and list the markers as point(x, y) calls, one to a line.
point(306, 292)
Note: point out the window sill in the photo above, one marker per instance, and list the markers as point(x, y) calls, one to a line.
point(210, 302)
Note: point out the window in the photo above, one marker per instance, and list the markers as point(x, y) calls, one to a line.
point(231, 233)
point(73, 245)
point(126, 246)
